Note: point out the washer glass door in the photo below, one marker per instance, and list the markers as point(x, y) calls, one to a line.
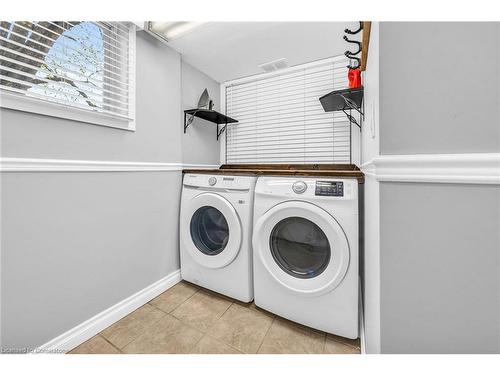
point(209, 230)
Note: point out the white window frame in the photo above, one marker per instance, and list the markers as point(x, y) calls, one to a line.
point(356, 132)
point(25, 103)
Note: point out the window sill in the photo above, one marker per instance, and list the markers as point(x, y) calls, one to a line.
point(33, 105)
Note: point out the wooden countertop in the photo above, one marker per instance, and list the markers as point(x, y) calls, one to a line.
point(317, 170)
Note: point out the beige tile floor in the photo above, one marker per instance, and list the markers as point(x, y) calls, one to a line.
point(189, 319)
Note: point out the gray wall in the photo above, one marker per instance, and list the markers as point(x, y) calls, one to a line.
point(439, 243)
point(200, 144)
point(74, 244)
point(439, 87)
point(440, 268)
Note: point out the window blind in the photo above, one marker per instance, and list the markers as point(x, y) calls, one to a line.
point(86, 65)
point(282, 121)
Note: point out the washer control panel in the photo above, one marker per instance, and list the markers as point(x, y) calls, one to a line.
point(219, 182)
point(330, 188)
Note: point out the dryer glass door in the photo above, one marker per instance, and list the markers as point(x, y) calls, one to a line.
point(300, 247)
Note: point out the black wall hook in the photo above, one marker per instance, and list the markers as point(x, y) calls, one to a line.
point(354, 42)
point(349, 54)
point(347, 31)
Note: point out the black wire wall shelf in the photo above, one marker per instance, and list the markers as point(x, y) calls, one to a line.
point(345, 100)
point(209, 115)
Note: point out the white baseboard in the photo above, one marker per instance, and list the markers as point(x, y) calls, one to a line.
point(480, 168)
point(84, 331)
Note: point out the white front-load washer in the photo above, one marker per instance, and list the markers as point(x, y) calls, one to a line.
point(305, 244)
point(216, 232)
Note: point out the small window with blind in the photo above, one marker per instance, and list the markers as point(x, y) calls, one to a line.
point(83, 71)
point(280, 119)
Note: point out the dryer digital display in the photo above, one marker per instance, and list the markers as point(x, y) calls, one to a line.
point(330, 188)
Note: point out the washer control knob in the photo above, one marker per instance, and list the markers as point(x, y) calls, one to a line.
point(299, 187)
point(212, 181)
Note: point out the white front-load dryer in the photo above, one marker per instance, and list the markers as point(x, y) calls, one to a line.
point(305, 244)
point(216, 231)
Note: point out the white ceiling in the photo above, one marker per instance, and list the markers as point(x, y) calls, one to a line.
point(229, 50)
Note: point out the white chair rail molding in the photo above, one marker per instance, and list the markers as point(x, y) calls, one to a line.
point(58, 165)
point(480, 168)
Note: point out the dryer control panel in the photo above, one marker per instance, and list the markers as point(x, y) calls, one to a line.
point(329, 188)
point(321, 189)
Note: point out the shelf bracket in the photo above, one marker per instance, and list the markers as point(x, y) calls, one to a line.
point(222, 130)
point(189, 120)
point(351, 105)
point(351, 118)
